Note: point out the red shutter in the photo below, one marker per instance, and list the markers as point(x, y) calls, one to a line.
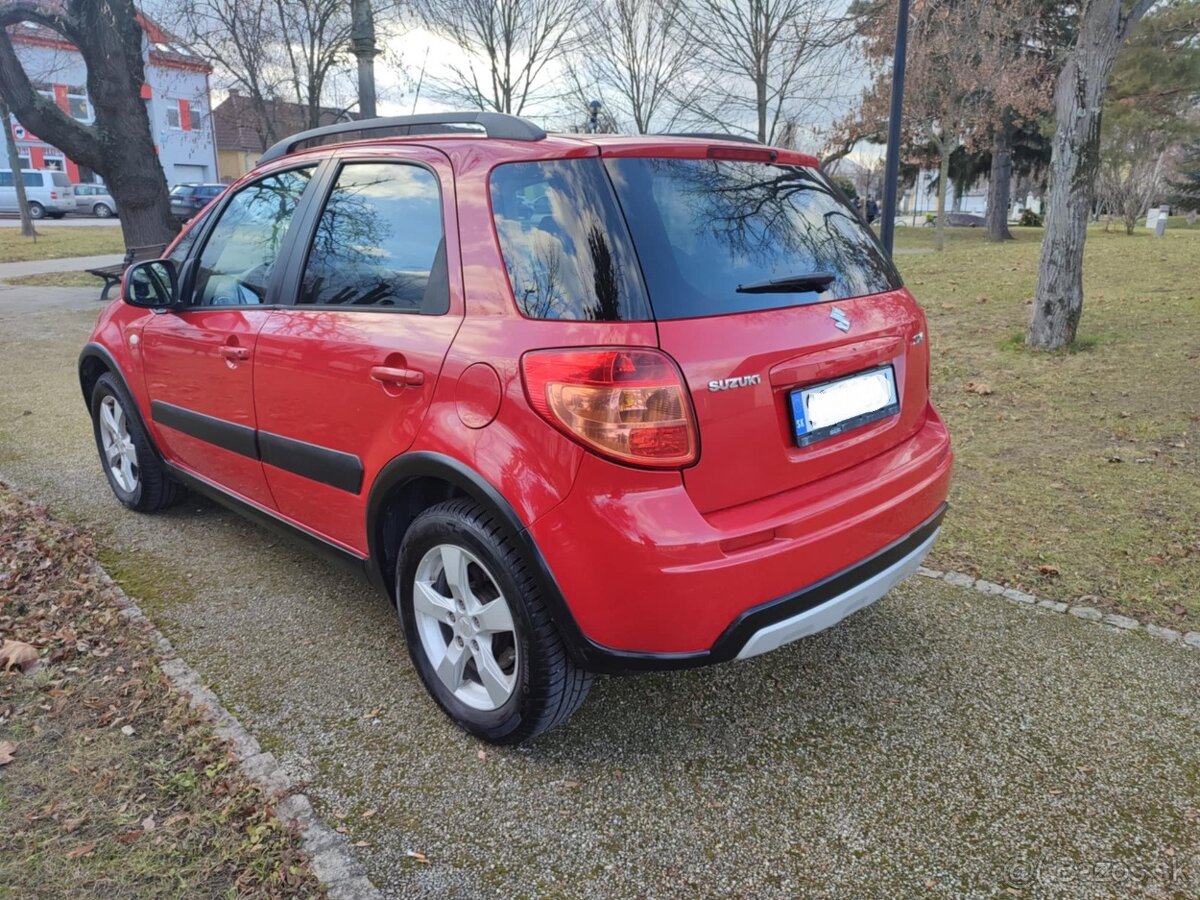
point(60, 98)
point(36, 157)
point(145, 91)
point(185, 115)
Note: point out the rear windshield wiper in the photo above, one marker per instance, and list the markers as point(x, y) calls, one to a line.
point(813, 281)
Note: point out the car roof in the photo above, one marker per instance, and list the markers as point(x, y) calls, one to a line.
point(504, 137)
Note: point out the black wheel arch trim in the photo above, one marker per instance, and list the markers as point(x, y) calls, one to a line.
point(93, 350)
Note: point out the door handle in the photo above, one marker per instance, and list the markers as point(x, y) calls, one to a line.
point(392, 375)
point(235, 353)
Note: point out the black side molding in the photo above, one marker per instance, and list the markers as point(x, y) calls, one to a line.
point(332, 467)
point(226, 435)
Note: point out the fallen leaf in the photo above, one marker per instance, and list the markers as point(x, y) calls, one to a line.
point(70, 825)
point(81, 850)
point(369, 813)
point(481, 754)
point(127, 730)
point(148, 823)
point(1049, 571)
point(16, 653)
point(982, 388)
point(418, 856)
point(362, 843)
point(7, 749)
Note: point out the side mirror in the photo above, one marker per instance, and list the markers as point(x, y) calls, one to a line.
point(151, 285)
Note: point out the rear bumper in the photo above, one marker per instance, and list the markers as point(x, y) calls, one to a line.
point(643, 581)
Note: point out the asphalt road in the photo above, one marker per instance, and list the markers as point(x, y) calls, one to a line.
point(941, 743)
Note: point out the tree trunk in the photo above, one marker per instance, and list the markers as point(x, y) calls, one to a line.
point(939, 229)
point(1000, 184)
point(14, 163)
point(1078, 97)
point(119, 146)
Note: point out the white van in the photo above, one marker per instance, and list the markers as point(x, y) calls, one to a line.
point(48, 193)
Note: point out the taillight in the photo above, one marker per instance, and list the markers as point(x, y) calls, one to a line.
point(630, 405)
point(54, 195)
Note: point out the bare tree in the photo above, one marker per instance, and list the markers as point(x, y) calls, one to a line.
point(1128, 182)
point(511, 47)
point(766, 61)
point(118, 145)
point(1078, 98)
point(640, 61)
point(14, 163)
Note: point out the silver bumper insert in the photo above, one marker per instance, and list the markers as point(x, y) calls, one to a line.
point(833, 611)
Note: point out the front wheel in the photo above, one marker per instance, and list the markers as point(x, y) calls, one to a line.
point(477, 629)
point(134, 473)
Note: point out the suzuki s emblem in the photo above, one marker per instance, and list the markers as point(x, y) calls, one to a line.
point(840, 319)
point(724, 384)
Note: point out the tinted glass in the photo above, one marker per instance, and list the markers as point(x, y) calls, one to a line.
point(379, 242)
point(6, 179)
point(179, 190)
point(704, 227)
point(565, 246)
point(60, 179)
point(32, 179)
point(236, 264)
point(191, 233)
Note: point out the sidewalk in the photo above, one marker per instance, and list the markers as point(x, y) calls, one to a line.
point(65, 264)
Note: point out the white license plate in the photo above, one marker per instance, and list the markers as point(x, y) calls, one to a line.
point(824, 410)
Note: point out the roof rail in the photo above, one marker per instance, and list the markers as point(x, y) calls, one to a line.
point(714, 136)
point(496, 125)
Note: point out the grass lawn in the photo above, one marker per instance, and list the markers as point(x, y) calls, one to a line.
point(54, 242)
point(1079, 474)
point(59, 279)
point(109, 785)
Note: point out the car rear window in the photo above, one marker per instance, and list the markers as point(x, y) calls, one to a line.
point(60, 179)
point(704, 227)
point(566, 248)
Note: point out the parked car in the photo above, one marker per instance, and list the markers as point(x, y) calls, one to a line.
point(48, 193)
point(189, 199)
point(94, 200)
point(577, 404)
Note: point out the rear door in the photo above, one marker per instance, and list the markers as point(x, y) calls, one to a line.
point(344, 377)
point(198, 362)
point(712, 235)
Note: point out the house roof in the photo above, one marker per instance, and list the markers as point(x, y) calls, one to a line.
point(165, 48)
point(240, 124)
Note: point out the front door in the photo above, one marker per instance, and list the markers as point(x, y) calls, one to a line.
point(344, 377)
point(198, 361)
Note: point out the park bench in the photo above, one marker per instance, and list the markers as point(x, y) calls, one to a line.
point(112, 274)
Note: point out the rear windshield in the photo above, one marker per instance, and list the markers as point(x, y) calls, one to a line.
point(705, 227)
point(61, 179)
point(565, 246)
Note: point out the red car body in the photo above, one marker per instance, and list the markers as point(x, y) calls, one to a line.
point(378, 415)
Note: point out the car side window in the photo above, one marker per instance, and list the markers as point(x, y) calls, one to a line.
point(380, 242)
point(236, 263)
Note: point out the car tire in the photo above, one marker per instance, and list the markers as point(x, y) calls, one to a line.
point(478, 631)
point(132, 466)
point(102, 211)
point(36, 210)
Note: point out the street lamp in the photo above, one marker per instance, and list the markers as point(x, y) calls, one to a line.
point(891, 171)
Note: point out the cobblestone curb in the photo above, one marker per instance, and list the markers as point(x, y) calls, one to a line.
point(1189, 639)
point(332, 861)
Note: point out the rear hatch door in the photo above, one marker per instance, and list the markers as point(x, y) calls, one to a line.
point(712, 234)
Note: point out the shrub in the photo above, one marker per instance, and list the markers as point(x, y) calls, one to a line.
point(1030, 219)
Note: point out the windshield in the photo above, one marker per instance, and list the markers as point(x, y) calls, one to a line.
point(705, 227)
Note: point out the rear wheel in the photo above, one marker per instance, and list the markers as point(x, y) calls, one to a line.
point(477, 630)
point(102, 211)
point(36, 210)
point(132, 468)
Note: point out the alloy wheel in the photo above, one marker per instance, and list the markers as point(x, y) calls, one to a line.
point(466, 627)
point(119, 453)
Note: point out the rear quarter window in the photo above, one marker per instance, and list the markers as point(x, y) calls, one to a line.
point(704, 227)
point(566, 248)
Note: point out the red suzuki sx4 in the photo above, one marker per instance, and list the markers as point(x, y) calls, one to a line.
point(578, 404)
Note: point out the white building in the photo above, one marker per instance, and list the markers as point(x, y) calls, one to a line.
point(176, 94)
